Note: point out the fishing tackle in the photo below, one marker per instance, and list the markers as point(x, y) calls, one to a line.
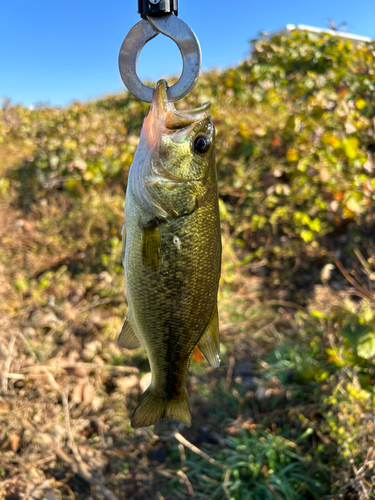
point(160, 16)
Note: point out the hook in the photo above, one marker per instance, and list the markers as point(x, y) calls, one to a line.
point(143, 32)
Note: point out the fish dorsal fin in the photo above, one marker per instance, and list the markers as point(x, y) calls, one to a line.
point(209, 343)
point(128, 338)
point(151, 246)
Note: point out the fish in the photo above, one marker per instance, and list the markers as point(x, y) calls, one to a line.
point(172, 253)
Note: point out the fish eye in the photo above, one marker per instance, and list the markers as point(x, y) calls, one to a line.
point(201, 144)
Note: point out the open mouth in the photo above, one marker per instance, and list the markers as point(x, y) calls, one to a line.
point(164, 115)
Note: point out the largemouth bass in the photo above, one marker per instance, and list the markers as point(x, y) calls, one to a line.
point(172, 253)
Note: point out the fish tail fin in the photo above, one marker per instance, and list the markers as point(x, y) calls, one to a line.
point(152, 408)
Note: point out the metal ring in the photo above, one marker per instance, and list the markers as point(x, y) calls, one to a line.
point(143, 32)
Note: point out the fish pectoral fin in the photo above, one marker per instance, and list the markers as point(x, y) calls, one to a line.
point(209, 343)
point(152, 408)
point(128, 338)
point(151, 247)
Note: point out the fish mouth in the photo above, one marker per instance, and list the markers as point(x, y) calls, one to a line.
point(163, 115)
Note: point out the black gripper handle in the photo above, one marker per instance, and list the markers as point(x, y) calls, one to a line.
point(155, 8)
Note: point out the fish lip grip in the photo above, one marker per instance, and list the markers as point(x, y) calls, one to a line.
point(186, 40)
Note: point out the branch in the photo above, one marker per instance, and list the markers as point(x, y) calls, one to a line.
point(196, 450)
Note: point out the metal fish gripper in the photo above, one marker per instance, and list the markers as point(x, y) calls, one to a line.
point(160, 16)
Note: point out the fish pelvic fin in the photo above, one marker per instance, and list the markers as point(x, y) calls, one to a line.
point(152, 408)
point(209, 343)
point(127, 337)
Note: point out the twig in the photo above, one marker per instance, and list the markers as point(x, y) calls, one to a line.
point(286, 304)
point(272, 490)
point(355, 470)
point(78, 466)
point(185, 479)
point(85, 474)
point(227, 326)
point(100, 303)
point(322, 436)
point(268, 325)
point(149, 435)
point(88, 366)
point(15, 376)
point(228, 378)
point(300, 408)
point(7, 365)
point(27, 345)
point(164, 473)
point(358, 278)
point(67, 487)
point(351, 280)
point(362, 260)
point(225, 484)
point(196, 450)
point(351, 291)
point(47, 484)
point(209, 479)
point(253, 265)
point(181, 449)
point(64, 401)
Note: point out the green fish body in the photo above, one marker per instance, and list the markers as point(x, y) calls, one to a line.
point(172, 253)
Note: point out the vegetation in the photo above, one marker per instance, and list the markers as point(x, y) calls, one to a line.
point(289, 415)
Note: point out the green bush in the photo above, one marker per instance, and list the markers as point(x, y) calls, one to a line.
point(295, 141)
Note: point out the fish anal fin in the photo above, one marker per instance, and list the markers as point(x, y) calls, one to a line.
point(151, 247)
point(152, 408)
point(209, 343)
point(128, 338)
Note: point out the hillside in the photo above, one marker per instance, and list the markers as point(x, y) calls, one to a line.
point(289, 415)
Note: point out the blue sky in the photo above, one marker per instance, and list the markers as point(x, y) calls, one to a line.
point(55, 51)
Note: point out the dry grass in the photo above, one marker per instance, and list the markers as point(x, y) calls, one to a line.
point(289, 384)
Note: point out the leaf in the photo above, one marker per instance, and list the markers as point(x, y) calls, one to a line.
point(316, 225)
point(338, 195)
point(319, 314)
point(307, 235)
point(333, 140)
point(224, 214)
point(292, 155)
point(360, 103)
point(14, 440)
point(349, 214)
point(354, 332)
point(342, 91)
point(362, 338)
point(305, 434)
point(366, 346)
point(351, 145)
point(353, 205)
